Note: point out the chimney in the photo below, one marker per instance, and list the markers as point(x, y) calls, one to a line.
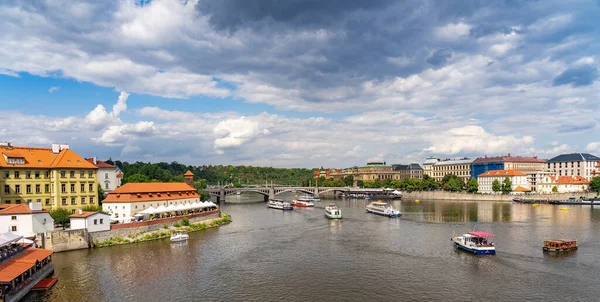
point(95, 160)
point(80, 211)
point(35, 206)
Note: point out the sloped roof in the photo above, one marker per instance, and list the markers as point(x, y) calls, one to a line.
point(100, 164)
point(69, 159)
point(13, 209)
point(509, 158)
point(151, 191)
point(15, 267)
point(574, 157)
point(188, 173)
point(85, 214)
point(501, 173)
point(453, 162)
point(521, 189)
point(566, 180)
point(43, 158)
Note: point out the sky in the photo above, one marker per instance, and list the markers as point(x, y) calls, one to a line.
point(301, 83)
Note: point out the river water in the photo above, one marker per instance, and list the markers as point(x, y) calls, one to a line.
point(270, 255)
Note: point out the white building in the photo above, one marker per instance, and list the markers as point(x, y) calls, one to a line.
point(131, 198)
point(25, 219)
point(563, 184)
point(574, 164)
point(109, 176)
point(459, 167)
point(92, 221)
point(518, 179)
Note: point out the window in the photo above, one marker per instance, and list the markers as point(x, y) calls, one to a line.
point(91, 199)
point(73, 211)
point(82, 187)
point(37, 174)
point(106, 185)
point(73, 202)
point(6, 189)
point(63, 188)
point(38, 200)
point(101, 221)
point(38, 188)
point(18, 189)
point(72, 174)
point(95, 221)
point(72, 187)
point(81, 174)
point(64, 201)
point(105, 175)
point(17, 174)
point(27, 174)
point(13, 217)
point(82, 200)
point(47, 201)
point(46, 188)
point(47, 174)
point(13, 228)
point(62, 174)
point(7, 201)
point(91, 186)
point(89, 174)
point(28, 189)
point(6, 174)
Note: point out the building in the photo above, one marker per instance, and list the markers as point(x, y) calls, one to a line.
point(109, 176)
point(129, 199)
point(428, 166)
point(411, 170)
point(507, 162)
point(92, 221)
point(25, 220)
point(563, 184)
point(57, 177)
point(518, 179)
point(459, 167)
point(573, 164)
point(535, 177)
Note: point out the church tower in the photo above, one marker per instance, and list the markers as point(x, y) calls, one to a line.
point(189, 178)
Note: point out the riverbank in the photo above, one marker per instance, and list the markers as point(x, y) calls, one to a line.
point(165, 232)
point(442, 195)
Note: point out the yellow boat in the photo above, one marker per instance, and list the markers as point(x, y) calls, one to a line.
point(535, 205)
point(564, 209)
point(417, 200)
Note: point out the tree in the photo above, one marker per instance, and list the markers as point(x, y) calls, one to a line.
point(472, 185)
point(455, 184)
point(554, 189)
point(93, 208)
point(360, 184)
point(61, 217)
point(506, 185)
point(496, 186)
point(101, 195)
point(595, 184)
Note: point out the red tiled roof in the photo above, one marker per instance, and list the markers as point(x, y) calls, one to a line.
point(12, 209)
point(502, 173)
point(521, 189)
point(83, 215)
point(188, 173)
point(508, 158)
point(100, 164)
point(69, 159)
point(565, 180)
point(21, 263)
point(151, 191)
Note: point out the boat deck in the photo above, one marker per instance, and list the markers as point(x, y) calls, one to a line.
point(45, 284)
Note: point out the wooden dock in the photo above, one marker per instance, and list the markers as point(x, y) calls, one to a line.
point(45, 284)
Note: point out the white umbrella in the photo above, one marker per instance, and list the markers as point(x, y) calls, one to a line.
point(180, 207)
point(171, 208)
point(160, 209)
point(211, 204)
point(149, 210)
point(187, 206)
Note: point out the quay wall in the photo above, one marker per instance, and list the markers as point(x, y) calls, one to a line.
point(146, 226)
point(441, 195)
point(67, 240)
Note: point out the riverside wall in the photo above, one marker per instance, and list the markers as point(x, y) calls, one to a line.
point(140, 227)
point(442, 195)
point(67, 240)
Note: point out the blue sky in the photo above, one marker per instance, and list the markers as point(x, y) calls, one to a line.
point(301, 83)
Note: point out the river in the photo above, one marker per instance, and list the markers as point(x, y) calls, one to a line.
point(270, 255)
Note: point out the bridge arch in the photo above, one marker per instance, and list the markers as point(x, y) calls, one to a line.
point(263, 192)
point(295, 190)
point(333, 190)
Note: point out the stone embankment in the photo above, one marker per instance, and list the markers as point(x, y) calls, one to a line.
point(441, 195)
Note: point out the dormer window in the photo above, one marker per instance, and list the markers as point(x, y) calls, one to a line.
point(15, 161)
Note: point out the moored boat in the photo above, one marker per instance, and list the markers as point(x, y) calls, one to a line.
point(382, 208)
point(179, 236)
point(333, 212)
point(279, 204)
point(560, 245)
point(478, 243)
point(309, 197)
point(302, 203)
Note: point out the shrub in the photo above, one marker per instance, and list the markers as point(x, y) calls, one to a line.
point(176, 224)
point(185, 221)
point(166, 226)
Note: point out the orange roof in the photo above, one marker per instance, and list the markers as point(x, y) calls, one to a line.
point(84, 214)
point(188, 173)
point(12, 209)
point(566, 180)
point(100, 164)
point(15, 267)
point(521, 189)
point(501, 173)
point(43, 158)
point(151, 191)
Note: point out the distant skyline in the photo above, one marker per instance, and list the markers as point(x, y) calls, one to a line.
point(301, 83)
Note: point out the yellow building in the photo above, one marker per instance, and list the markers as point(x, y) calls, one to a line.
point(56, 177)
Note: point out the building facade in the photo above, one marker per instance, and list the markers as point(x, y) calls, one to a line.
point(459, 167)
point(428, 166)
point(109, 176)
point(378, 171)
point(563, 184)
point(518, 179)
point(56, 177)
point(25, 220)
point(411, 170)
point(574, 164)
point(507, 162)
point(92, 221)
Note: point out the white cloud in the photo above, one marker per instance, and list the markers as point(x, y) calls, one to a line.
point(9, 73)
point(235, 132)
point(121, 105)
point(53, 89)
point(593, 147)
point(473, 139)
point(453, 31)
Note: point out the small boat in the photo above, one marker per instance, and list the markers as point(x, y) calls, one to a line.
point(238, 193)
point(333, 212)
point(279, 204)
point(303, 203)
point(560, 245)
point(477, 243)
point(382, 208)
point(179, 236)
point(309, 197)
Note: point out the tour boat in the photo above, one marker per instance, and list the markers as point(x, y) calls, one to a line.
point(279, 204)
point(382, 208)
point(179, 236)
point(333, 212)
point(301, 203)
point(560, 245)
point(477, 243)
point(309, 197)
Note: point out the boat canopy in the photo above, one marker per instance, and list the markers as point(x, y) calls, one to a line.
point(8, 238)
point(481, 234)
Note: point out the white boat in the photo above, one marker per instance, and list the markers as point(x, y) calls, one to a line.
point(309, 197)
point(302, 203)
point(333, 212)
point(179, 236)
point(477, 243)
point(238, 193)
point(382, 208)
point(279, 204)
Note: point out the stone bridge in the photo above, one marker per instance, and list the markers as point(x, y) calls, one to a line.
point(271, 192)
